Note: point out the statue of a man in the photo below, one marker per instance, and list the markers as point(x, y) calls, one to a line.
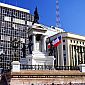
point(36, 16)
point(24, 50)
point(15, 45)
point(51, 48)
point(30, 47)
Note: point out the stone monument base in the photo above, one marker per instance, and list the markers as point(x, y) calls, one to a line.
point(82, 67)
point(15, 66)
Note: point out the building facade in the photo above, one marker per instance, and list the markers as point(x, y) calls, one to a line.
point(14, 23)
point(71, 51)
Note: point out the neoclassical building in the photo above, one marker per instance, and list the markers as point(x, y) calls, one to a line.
point(71, 51)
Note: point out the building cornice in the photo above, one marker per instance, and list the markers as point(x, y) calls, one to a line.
point(14, 7)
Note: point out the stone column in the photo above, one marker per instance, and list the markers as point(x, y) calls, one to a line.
point(43, 43)
point(77, 55)
point(34, 42)
point(73, 56)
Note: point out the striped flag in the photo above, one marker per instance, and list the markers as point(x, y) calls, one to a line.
point(57, 41)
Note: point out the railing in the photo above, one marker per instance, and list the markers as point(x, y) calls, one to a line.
point(67, 67)
point(36, 67)
point(47, 67)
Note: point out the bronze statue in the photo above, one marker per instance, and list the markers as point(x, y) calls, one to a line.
point(36, 16)
point(30, 44)
point(15, 45)
point(24, 50)
point(51, 48)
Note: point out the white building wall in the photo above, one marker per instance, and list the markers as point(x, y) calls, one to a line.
point(14, 7)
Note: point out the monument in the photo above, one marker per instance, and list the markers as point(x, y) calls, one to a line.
point(38, 54)
point(15, 63)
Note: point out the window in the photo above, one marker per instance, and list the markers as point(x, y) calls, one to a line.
point(29, 59)
point(83, 43)
point(64, 47)
point(63, 40)
point(28, 17)
point(71, 41)
point(80, 42)
point(64, 60)
point(77, 42)
point(64, 54)
point(74, 41)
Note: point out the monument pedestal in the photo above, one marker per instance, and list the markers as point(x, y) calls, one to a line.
point(15, 66)
point(82, 67)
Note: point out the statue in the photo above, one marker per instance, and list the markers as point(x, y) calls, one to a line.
point(30, 47)
point(51, 48)
point(24, 50)
point(15, 45)
point(36, 16)
point(30, 44)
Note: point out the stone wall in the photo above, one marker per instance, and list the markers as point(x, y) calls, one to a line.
point(46, 77)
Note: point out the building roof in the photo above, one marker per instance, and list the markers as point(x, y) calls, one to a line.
point(14, 7)
point(69, 35)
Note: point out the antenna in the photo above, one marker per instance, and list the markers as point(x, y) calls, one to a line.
point(57, 14)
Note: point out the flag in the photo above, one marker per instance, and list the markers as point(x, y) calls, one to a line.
point(49, 46)
point(57, 41)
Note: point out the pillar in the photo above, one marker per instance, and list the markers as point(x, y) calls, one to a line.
point(43, 43)
point(34, 42)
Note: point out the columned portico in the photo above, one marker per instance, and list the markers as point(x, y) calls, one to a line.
point(39, 55)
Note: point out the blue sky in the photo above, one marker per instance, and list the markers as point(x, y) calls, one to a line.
point(72, 13)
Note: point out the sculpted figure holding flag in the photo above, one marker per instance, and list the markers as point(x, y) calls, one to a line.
point(53, 44)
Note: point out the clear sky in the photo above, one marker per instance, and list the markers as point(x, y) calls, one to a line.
point(72, 12)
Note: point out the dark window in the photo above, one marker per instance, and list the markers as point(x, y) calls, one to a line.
point(71, 41)
point(64, 47)
point(83, 43)
point(64, 54)
point(74, 41)
point(64, 60)
point(75, 47)
point(80, 42)
point(63, 40)
point(38, 37)
point(77, 42)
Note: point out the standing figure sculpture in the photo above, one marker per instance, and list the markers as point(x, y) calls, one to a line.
point(24, 50)
point(36, 16)
point(15, 45)
point(51, 48)
point(30, 44)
